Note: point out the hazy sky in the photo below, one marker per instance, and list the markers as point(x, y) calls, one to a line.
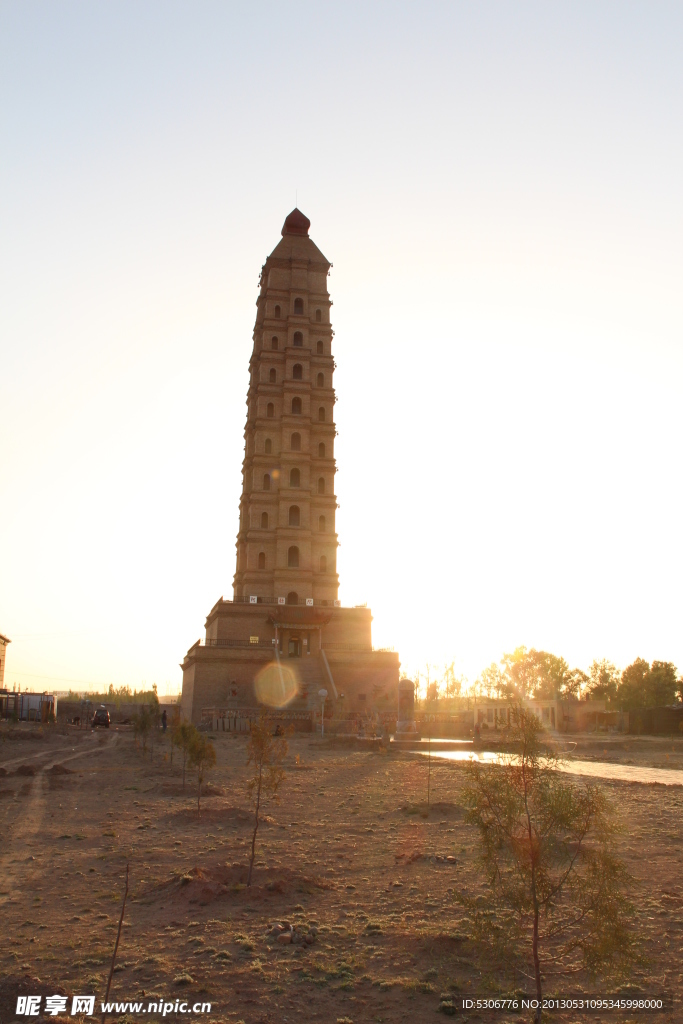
point(499, 189)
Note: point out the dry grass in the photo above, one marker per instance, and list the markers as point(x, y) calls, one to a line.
point(352, 851)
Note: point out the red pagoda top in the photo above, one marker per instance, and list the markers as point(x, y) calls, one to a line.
point(296, 223)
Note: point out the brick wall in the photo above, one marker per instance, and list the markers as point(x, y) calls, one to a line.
point(367, 681)
point(221, 677)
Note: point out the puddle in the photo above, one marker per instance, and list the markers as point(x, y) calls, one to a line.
point(595, 769)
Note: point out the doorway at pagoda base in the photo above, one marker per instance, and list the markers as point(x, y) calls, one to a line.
point(294, 647)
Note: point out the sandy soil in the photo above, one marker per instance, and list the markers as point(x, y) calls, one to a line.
point(349, 851)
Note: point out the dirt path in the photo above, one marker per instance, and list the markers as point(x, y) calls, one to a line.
point(50, 752)
point(15, 875)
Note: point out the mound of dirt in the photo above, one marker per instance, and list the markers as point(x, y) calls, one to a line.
point(410, 858)
point(59, 769)
point(30, 733)
point(26, 769)
point(449, 810)
point(21, 983)
point(213, 815)
point(440, 808)
point(206, 884)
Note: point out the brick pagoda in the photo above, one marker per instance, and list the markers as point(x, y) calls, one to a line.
point(285, 610)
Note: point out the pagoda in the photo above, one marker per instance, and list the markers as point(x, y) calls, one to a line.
point(285, 611)
point(287, 545)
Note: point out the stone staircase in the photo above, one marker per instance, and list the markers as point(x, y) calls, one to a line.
point(312, 675)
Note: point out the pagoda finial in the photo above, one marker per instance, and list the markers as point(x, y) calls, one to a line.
point(297, 223)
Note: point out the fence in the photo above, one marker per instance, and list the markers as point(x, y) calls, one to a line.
point(239, 721)
point(258, 642)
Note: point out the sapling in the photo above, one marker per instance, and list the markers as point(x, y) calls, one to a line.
point(266, 754)
point(557, 890)
point(202, 756)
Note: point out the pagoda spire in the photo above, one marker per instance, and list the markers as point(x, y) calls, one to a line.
point(287, 544)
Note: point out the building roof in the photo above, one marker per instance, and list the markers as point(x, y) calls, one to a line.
point(5, 639)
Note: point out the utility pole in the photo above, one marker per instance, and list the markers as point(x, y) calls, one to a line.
point(322, 694)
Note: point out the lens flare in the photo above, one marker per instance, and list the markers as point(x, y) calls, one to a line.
point(276, 685)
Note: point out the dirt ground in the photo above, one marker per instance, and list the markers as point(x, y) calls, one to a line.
point(350, 851)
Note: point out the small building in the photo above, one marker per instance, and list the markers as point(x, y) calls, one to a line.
point(662, 721)
point(586, 716)
point(554, 715)
point(4, 640)
point(28, 707)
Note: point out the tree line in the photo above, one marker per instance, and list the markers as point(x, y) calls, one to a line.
point(117, 695)
point(527, 674)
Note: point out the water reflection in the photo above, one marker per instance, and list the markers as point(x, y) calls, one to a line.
point(594, 769)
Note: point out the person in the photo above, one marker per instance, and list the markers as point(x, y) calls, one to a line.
point(477, 733)
point(163, 720)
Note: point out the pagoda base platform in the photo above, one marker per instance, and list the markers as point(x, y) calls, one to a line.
point(313, 647)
